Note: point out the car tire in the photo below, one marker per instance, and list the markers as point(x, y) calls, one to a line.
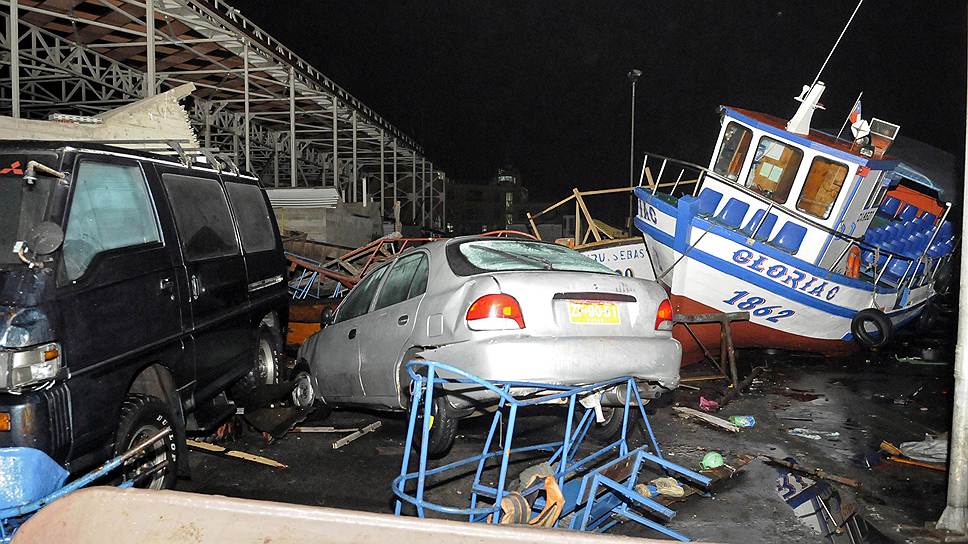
point(443, 430)
point(142, 417)
point(883, 334)
point(611, 429)
point(303, 393)
point(265, 369)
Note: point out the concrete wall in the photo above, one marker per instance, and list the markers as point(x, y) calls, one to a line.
point(348, 225)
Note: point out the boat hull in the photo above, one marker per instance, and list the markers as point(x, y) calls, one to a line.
point(793, 304)
point(627, 256)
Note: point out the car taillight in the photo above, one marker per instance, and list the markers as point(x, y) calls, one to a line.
point(664, 315)
point(495, 313)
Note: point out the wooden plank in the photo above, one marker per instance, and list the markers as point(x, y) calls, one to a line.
point(704, 378)
point(913, 462)
point(717, 422)
point(365, 430)
point(225, 452)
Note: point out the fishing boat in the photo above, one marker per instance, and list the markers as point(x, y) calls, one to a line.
point(828, 243)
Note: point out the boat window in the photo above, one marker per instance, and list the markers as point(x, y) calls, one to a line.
point(775, 165)
point(823, 184)
point(877, 193)
point(732, 152)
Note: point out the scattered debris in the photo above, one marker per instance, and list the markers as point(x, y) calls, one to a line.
point(225, 452)
point(322, 430)
point(813, 435)
point(933, 449)
point(816, 472)
point(899, 456)
point(359, 432)
point(742, 421)
point(711, 460)
point(708, 405)
point(717, 422)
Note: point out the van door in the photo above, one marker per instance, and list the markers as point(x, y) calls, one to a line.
point(265, 264)
point(117, 292)
point(223, 337)
point(383, 340)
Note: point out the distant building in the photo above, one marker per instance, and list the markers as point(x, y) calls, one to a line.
point(479, 206)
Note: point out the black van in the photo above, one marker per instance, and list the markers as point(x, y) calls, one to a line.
point(134, 291)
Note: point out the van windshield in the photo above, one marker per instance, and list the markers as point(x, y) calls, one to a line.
point(22, 207)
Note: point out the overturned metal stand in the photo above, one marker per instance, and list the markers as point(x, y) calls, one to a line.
point(589, 491)
point(727, 353)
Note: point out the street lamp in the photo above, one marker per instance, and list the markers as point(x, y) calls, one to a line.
point(633, 76)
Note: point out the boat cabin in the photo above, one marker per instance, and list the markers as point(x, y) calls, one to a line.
point(815, 196)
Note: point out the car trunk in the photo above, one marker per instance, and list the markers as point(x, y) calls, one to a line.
point(557, 303)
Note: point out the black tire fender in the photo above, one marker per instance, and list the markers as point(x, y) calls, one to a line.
point(880, 321)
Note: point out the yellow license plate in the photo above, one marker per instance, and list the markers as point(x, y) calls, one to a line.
point(593, 313)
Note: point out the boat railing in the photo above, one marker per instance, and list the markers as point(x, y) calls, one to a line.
point(667, 166)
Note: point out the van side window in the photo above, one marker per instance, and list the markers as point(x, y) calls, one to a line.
point(397, 287)
point(358, 301)
point(255, 227)
point(201, 216)
point(110, 209)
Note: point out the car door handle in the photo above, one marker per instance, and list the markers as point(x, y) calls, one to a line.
point(402, 320)
point(352, 334)
point(166, 284)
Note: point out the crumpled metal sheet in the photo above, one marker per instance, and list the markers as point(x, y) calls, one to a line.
point(27, 474)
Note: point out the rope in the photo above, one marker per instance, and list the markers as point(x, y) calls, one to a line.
point(832, 49)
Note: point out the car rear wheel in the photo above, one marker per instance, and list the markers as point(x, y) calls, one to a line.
point(443, 429)
point(611, 429)
point(142, 417)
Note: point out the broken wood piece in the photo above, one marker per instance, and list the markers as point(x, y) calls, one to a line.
point(704, 378)
point(913, 462)
point(717, 422)
point(365, 430)
point(219, 450)
point(890, 448)
point(817, 472)
point(322, 430)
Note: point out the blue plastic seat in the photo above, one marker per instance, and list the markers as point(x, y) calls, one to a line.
point(733, 213)
point(927, 218)
point(790, 237)
point(946, 231)
point(889, 206)
point(874, 235)
point(765, 229)
point(709, 201)
point(908, 212)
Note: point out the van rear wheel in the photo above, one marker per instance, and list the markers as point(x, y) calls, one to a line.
point(143, 417)
point(265, 369)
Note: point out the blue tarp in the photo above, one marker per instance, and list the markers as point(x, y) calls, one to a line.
point(26, 475)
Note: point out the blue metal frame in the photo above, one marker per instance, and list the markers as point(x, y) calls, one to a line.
point(594, 498)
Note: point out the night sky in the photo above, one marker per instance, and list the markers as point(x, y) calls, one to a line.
point(543, 85)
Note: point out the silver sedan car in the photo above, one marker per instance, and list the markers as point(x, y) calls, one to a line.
point(499, 308)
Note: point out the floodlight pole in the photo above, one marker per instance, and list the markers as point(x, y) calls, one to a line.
point(955, 515)
point(633, 76)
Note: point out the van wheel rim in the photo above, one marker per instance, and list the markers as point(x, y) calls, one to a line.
point(153, 456)
point(302, 393)
point(266, 362)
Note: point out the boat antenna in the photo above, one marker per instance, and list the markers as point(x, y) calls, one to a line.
point(836, 43)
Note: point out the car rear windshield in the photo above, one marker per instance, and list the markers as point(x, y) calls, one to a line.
point(499, 255)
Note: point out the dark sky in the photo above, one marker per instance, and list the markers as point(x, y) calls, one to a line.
point(543, 84)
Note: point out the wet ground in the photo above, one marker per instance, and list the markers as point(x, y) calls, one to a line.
point(850, 405)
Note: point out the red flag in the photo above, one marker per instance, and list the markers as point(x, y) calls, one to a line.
point(855, 113)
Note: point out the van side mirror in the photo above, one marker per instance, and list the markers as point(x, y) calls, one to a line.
point(45, 238)
point(326, 317)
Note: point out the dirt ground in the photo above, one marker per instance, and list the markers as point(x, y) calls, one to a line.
point(866, 400)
